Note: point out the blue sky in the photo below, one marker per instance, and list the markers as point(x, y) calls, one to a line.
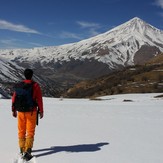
point(36, 23)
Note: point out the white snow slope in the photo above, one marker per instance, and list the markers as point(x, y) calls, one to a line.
point(118, 45)
point(87, 131)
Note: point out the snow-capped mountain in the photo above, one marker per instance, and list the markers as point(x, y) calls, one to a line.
point(118, 46)
point(133, 42)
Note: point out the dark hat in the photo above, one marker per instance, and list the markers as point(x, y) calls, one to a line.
point(28, 73)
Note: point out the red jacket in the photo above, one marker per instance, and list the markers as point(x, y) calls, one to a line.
point(37, 95)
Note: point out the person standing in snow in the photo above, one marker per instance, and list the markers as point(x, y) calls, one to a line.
point(27, 119)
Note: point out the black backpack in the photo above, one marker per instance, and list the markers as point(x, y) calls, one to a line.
point(24, 97)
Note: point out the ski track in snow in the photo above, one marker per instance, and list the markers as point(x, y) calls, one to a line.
point(87, 131)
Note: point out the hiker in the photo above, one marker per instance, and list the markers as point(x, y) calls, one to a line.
point(27, 113)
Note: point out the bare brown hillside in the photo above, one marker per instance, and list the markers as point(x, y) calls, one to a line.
point(137, 79)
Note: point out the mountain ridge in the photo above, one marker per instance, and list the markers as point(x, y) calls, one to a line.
point(57, 52)
point(130, 43)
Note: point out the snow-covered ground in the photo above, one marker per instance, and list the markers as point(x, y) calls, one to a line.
point(87, 131)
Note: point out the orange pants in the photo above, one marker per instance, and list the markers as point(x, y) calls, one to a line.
point(26, 124)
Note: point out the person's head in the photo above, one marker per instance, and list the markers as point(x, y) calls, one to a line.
point(28, 73)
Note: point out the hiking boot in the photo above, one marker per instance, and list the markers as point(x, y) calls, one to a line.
point(27, 156)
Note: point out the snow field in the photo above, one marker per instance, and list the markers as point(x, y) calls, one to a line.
point(87, 131)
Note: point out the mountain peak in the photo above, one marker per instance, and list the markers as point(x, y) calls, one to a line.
point(136, 25)
point(136, 19)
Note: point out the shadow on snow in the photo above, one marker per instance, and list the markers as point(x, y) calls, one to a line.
point(73, 148)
